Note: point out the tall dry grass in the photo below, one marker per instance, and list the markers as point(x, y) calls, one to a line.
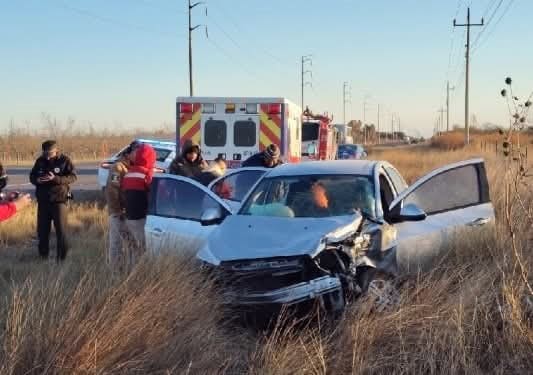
point(471, 314)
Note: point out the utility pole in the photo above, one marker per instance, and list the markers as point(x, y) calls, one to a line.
point(467, 70)
point(379, 136)
point(346, 90)
point(441, 111)
point(392, 127)
point(448, 88)
point(191, 29)
point(306, 60)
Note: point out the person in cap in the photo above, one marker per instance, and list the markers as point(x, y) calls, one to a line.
point(52, 175)
point(10, 204)
point(116, 207)
point(190, 163)
point(269, 158)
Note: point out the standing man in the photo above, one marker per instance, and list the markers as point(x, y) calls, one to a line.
point(136, 186)
point(270, 158)
point(116, 206)
point(52, 175)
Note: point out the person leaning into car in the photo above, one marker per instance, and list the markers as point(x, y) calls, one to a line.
point(52, 175)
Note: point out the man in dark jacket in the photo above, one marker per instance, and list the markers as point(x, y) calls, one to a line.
point(270, 158)
point(52, 175)
point(190, 163)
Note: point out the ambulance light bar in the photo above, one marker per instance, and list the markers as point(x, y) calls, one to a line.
point(230, 108)
point(208, 108)
point(185, 107)
point(274, 109)
point(251, 108)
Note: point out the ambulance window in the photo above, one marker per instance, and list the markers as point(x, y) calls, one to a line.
point(244, 134)
point(215, 133)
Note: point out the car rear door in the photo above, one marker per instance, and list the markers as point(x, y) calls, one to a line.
point(454, 197)
point(176, 206)
point(235, 185)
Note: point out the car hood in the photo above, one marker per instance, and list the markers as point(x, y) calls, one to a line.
point(253, 237)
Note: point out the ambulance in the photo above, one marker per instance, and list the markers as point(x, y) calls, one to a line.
point(236, 128)
point(319, 137)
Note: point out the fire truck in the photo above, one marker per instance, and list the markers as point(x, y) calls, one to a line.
point(319, 137)
point(237, 128)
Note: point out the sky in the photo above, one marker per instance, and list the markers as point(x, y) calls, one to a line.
point(120, 64)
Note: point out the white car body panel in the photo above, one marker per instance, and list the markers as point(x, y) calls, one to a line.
point(167, 233)
point(419, 242)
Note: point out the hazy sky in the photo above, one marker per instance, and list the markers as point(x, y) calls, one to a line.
point(123, 62)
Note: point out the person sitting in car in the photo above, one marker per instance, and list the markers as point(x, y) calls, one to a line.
point(216, 169)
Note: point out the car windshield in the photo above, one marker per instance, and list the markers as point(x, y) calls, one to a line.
point(349, 148)
point(309, 131)
point(312, 196)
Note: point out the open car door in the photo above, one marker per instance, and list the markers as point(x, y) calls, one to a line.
point(451, 198)
point(234, 186)
point(174, 215)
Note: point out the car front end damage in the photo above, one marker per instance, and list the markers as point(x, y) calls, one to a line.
point(337, 266)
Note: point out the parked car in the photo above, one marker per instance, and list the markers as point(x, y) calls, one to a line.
point(351, 151)
point(319, 229)
point(165, 153)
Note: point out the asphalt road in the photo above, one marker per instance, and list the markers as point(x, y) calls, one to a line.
point(19, 178)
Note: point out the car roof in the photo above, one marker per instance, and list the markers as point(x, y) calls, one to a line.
point(353, 167)
point(158, 143)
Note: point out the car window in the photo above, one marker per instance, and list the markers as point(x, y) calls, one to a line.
point(244, 134)
point(179, 199)
point(453, 189)
point(396, 179)
point(161, 154)
point(312, 196)
point(215, 133)
point(236, 186)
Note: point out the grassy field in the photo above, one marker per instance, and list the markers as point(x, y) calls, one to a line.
point(473, 314)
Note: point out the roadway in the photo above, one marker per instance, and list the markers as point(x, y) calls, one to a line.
point(87, 177)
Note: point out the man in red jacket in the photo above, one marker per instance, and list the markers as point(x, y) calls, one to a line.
point(136, 186)
point(10, 207)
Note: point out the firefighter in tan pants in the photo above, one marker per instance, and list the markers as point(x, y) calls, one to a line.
point(118, 231)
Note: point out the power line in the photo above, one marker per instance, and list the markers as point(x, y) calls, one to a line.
point(491, 31)
point(115, 22)
point(238, 28)
point(488, 21)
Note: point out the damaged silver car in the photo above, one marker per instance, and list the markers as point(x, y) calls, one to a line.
point(321, 230)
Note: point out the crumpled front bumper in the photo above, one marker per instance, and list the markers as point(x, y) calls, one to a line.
point(300, 292)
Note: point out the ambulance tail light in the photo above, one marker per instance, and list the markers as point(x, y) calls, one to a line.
point(185, 107)
point(274, 108)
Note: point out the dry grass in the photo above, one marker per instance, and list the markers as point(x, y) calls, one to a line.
point(472, 314)
point(454, 140)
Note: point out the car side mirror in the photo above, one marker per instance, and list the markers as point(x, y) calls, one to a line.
point(211, 216)
point(409, 212)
